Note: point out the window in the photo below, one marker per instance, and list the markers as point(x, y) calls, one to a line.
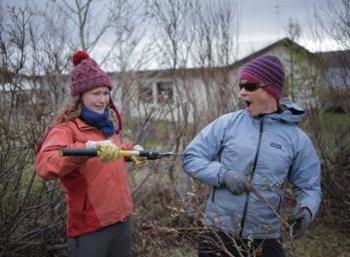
point(160, 92)
point(338, 77)
point(164, 92)
point(146, 93)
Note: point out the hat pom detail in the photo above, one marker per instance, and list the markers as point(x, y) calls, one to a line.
point(78, 56)
point(86, 74)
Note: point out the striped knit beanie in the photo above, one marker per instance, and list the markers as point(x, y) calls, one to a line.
point(268, 70)
point(86, 74)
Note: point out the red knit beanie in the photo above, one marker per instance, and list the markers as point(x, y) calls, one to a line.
point(86, 74)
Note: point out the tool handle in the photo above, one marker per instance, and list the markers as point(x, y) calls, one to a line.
point(149, 155)
point(83, 152)
point(125, 153)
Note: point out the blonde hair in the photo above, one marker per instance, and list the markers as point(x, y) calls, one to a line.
point(72, 109)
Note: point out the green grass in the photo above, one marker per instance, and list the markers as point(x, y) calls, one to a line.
point(160, 132)
point(330, 132)
point(332, 120)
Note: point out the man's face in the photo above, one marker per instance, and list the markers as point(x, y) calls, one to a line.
point(257, 100)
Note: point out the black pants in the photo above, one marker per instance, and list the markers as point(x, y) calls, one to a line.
point(216, 243)
point(111, 241)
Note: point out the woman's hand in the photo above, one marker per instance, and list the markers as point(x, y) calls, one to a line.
point(108, 153)
point(94, 144)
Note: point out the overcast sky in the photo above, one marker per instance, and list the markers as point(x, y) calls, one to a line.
point(265, 21)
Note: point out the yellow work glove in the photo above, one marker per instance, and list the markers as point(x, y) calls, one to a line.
point(108, 153)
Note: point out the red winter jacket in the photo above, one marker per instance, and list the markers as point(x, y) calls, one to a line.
point(97, 194)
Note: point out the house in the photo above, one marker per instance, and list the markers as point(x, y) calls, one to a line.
point(336, 65)
point(175, 95)
point(199, 94)
point(196, 94)
point(336, 68)
point(31, 94)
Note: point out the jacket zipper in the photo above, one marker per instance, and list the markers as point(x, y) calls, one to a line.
point(279, 204)
point(261, 128)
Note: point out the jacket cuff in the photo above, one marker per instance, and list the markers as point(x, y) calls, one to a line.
point(126, 146)
point(308, 209)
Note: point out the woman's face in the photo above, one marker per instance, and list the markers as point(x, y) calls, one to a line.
point(258, 101)
point(96, 99)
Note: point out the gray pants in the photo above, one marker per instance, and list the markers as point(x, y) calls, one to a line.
point(111, 241)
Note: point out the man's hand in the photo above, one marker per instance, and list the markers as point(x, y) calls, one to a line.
point(234, 181)
point(108, 153)
point(301, 221)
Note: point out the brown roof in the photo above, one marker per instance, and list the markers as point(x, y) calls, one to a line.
point(339, 58)
point(200, 70)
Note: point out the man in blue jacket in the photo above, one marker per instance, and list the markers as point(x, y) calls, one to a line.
point(252, 152)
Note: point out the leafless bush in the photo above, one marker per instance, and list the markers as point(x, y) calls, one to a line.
point(330, 134)
point(31, 213)
point(337, 100)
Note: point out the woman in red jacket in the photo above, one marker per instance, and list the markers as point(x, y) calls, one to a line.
point(96, 189)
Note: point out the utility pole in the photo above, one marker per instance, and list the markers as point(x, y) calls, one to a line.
point(277, 9)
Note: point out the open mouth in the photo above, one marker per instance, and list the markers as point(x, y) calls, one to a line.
point(248, 103)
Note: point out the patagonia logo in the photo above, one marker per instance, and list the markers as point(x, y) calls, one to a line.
point(276, 145)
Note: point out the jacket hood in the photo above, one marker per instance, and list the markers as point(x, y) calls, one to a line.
point(291, 113)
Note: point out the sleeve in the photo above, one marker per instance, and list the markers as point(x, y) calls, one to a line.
point(306, 177)
point(126, 146)
point(49, 164)
point(200, 156)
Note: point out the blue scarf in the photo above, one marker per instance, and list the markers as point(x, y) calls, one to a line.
point(100, 121)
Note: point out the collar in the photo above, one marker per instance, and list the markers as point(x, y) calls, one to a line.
point(82, 125)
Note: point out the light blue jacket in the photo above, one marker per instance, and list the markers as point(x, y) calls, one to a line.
point(269, 150)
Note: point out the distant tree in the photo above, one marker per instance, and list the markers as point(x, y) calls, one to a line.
point(216, 30)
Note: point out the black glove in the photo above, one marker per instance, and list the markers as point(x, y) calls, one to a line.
point(234, 181)
point(301, 220)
